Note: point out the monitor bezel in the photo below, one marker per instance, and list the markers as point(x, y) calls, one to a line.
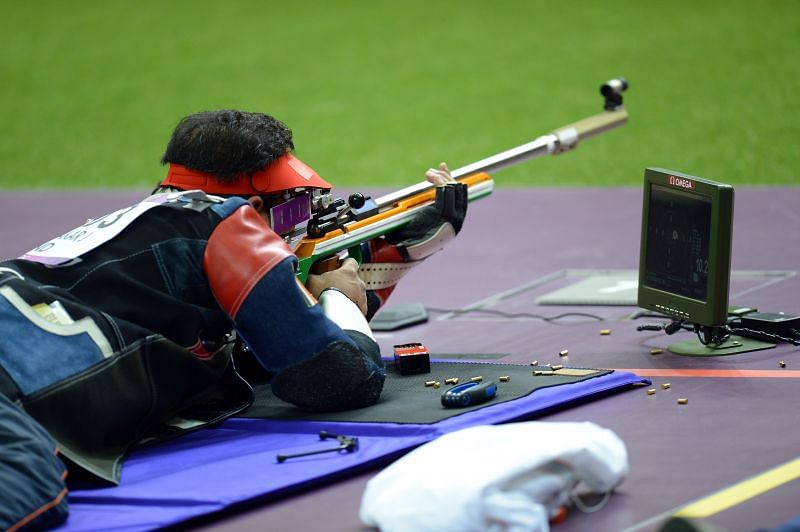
point(713, 311)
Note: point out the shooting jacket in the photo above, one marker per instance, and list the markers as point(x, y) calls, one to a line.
point(128, 339)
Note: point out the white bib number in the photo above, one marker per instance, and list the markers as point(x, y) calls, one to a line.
point(93, 233)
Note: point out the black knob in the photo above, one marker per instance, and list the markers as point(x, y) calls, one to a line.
point(313, 230)
point(356, 200)
point(614, 86)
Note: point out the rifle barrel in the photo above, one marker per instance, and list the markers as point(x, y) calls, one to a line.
point(560, 140)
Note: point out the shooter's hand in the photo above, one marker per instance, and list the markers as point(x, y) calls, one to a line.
point(439, 176)
point(344, 279)
point(450, 207)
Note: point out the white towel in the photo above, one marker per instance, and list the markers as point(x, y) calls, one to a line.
point(511, 477)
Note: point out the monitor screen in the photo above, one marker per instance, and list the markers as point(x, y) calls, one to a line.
point(678, 233)
point(684, 267)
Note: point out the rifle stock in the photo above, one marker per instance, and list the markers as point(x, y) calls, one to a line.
point(396, 209)
point(394, 216)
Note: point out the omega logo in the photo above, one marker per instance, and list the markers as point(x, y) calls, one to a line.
point(681, 182)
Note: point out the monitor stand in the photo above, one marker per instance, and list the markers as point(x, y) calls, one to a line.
point(733, 345)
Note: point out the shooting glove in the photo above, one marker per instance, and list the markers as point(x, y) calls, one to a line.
point(387, 259)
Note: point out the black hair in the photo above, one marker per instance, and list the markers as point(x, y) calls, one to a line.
point(227, 142)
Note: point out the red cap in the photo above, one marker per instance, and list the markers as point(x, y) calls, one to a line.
point(286, 172)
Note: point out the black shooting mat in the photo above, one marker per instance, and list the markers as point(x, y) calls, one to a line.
point(406, 398)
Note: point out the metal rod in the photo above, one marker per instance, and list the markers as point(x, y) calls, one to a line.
point(541, 146)
point(562, 139)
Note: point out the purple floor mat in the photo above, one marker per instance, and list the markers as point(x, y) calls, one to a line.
point(213, 469)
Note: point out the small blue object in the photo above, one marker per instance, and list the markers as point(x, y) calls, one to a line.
point(469, 394)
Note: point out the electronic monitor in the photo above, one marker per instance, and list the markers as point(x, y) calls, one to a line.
point(685, 255)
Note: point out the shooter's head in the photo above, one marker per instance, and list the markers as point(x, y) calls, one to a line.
point(237, 153)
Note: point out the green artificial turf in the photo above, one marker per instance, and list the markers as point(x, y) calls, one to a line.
point(377, 91)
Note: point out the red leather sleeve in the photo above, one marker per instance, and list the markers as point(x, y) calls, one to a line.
point(382, 251)
point(240, 251)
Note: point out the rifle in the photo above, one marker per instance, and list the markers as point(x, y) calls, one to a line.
point(336, 225)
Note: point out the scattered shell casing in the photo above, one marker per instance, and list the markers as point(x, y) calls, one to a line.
point(535, 363)
point(605, 332)
point(563, 353)
point(782, 363)
point(656, 351)
point(430, 383)
point(451, 380)
point(557, 367)
point(665, 386)
point(479, 378)
point(651, 391)
point(436, 385)
point(683, 401)
point(539, 373)
point(504, 378)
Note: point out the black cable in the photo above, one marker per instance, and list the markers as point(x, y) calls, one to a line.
point(761, 335)
point(516, 315)
point(670, 328)
point(675, 326)
point(648, 314)
point(710, 337)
